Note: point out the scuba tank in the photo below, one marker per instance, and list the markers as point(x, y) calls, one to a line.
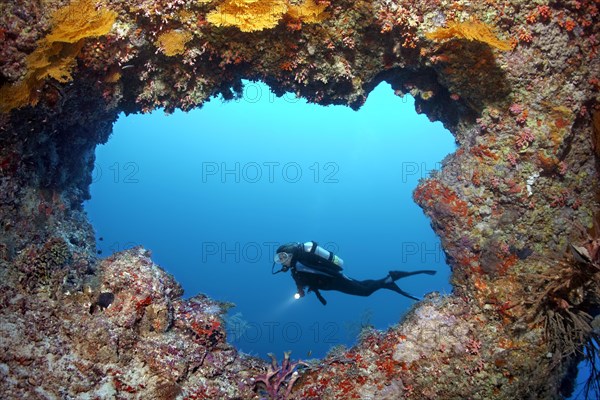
point(311, 255)
point(322, 256)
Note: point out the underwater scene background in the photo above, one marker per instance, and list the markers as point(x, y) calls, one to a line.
point(213, 192)
point(516, 205)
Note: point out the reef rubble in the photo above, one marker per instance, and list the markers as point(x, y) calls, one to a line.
point(516, 206)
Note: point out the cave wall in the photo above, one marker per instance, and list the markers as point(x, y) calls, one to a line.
point(517, 85)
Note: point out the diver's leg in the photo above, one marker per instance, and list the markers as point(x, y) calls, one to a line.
point(358, 288)
point(366, 287)
point(395, 275)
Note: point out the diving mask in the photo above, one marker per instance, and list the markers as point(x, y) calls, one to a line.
point(282, 258)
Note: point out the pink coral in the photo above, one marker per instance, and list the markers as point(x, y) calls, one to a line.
point(524, 139)
point(473, 346)
point(516, 109)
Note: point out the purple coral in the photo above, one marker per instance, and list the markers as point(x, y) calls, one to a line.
point(279, 378)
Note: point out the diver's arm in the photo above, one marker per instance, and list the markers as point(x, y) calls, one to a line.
point(319, 296)
point(297, 281)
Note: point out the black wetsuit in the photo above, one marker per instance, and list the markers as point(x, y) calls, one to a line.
point(316, 278)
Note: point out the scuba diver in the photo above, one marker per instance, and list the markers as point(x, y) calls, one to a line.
point(318, 269)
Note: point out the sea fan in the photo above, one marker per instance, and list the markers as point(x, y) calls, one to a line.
point(471, 30)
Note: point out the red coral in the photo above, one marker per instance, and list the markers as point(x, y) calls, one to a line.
point(569, 24)
point(559, 199)
point(143, 303)
point(120, 386)
point(346, 387)
point(439, 197)
point(388, 366)
point(544, 12)
point(208, 330)
point(480, 151)
point(525, 36)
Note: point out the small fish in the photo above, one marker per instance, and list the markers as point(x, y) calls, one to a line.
point(309, 354)
point(105, 299)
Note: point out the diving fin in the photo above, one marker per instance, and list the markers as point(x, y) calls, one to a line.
point(395, 288)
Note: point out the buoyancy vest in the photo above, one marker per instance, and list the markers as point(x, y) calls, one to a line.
point(311, 255)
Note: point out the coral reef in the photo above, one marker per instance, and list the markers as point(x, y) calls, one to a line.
point(55, 54)
point(515, 82)
point(124, 333)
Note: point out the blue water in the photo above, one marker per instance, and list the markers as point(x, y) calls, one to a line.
point(213, 192)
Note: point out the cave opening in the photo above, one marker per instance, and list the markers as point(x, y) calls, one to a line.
point(213, 192)
point(516, 85)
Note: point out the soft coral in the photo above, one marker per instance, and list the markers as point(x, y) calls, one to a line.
point(279, 377)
